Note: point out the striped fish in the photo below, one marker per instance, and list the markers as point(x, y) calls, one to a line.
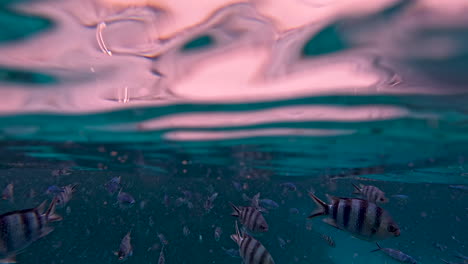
point(396, 254)
point(363, 219)
point(251, 251)
point(19, 229)
point(251, 218)
point(329, 240)
point(65, 196)
point(370, 193)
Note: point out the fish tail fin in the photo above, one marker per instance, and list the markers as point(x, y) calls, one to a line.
point(357, 189)
point(236, 209)
point(74, 186)
point(322, 208)
point(378, 247)
point(50, 213)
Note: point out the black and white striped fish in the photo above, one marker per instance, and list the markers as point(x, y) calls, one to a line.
point(65, 196)
point(370, 193)
point(396, 254)
point(250, 249)
point(19, 229)
point(363, 219)
point(251, 218)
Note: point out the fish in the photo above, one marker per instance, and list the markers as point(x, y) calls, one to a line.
point(208, 205)
point(250, 249)
point(460, 256)
point(268, 204)
point(54, 189)
point(459, 187)
point(396, 254)
point(370, 193)
point(113, 185)
point(125, 198)
point(217, 233)
point(186, 231)
point(237, 186)
point(8, 193)
point(329, 240)
point(162, 239)
point(232, 252)
point(64, 197)
point(19, 229)
point(294, 211)
point(363, 219)
point(251, 218)
point(126, 248)
point(401, 196)
point(161, 259)
point(288, 186)
point(281, 242)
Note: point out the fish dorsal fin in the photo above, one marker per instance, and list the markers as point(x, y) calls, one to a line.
point(236, 209)
point(331, 199)
point(357, 189)
point(41, 208)
point(8, 259)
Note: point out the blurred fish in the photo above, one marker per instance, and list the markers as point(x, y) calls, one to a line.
point(64, 197)
point(400, 196)
point(363, 219)
point(396, 254)
point(450, 262)
point(186, 231)
point(113, 185)
point(126, 249)
point(288, 186)
point(329, 240)
point(251, 218)
point(209, 202)
point(217, 233)
point(232, 252)
point(180, 201)
point(268, 204)
point(370, 193)
point(459, 187)
point(161, 259)
point(237, 186)
point(19, 229)
point(188, 194)
point(53, 190)
point(460, 256)
point(7, 193)
point(439, 246)
point(125, 198)
point(294, 211)
point(162, 239)
point(250, 249)
point(281, 242)
point(166, 200)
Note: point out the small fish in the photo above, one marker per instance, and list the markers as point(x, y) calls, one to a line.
point(54, 189)
point(450, 262)
point(370, 193)
point(294, 211)
point(401, 196)
point(209, 202)
point(162, 239)
point(161, 259)
point(460, 256)
point(166, 200)
point(186, 231)
point(125, 249)
point(459, 187)
point(251, 218)
point(7, 193)
point(282, 242)
point(217, 233)
point(396, 254)
point(439, 246)
point(361, 218)
point(180, 201)
point(232, 252)
point(21, 228)
point(125, 198)
point(64, 197)
point(289, 186)
point(237, 186)
point(329, 240)
point(250, 249)
point(268, 204)
point(188, 194)
point(113, 185)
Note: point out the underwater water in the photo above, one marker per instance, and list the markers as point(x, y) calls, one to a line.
point(192, 102)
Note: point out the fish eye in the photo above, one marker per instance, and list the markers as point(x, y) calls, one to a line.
point(382, 199)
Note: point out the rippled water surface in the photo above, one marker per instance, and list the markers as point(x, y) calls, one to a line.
point(184, 99)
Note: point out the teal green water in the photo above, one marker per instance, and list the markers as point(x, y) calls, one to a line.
point(421, 154)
